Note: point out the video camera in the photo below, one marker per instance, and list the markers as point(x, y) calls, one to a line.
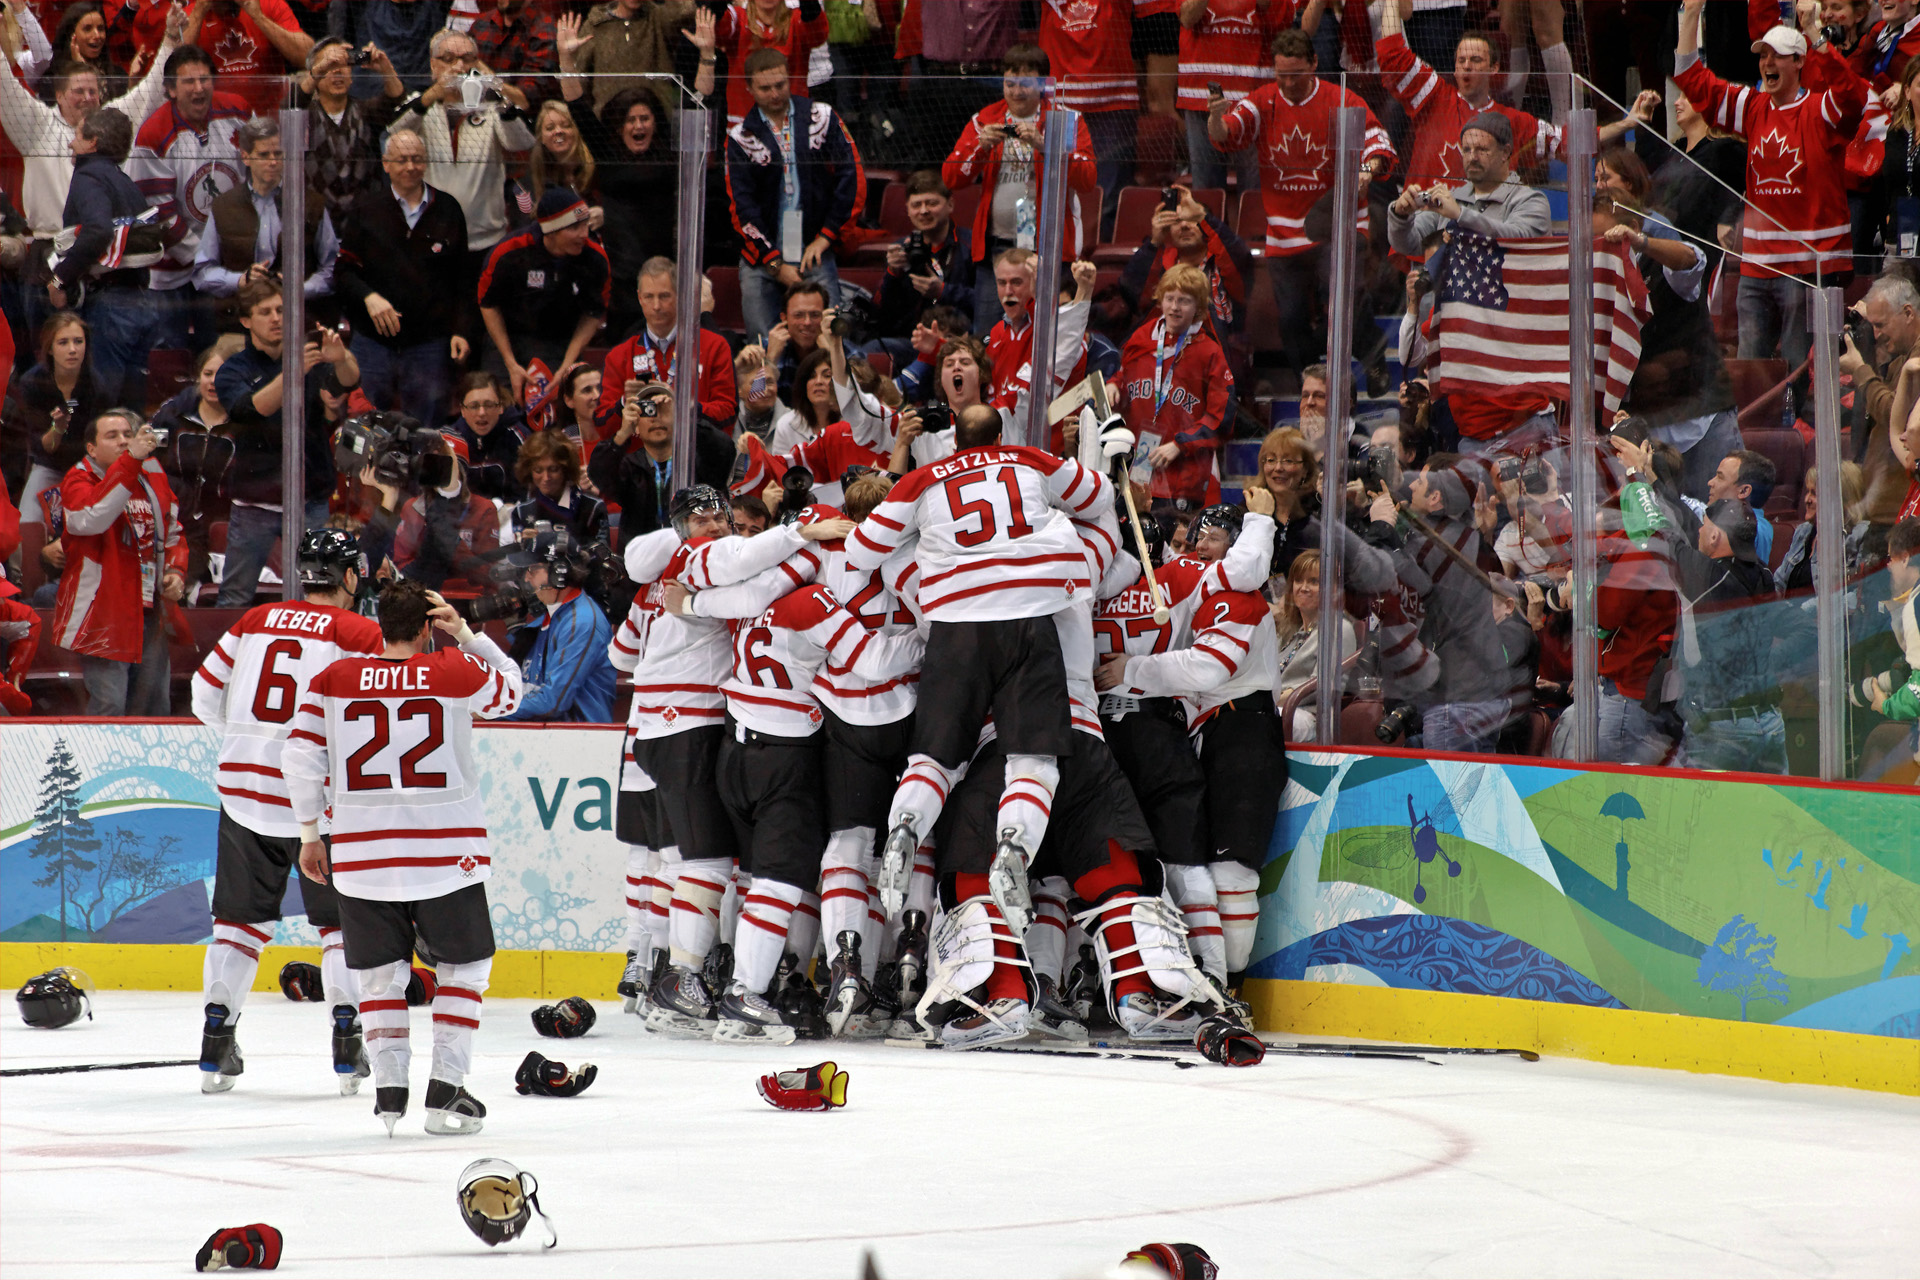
point(796, 493)
point(395, 445)
point(1375, 466)
point(1528, 470)
point(570, 562)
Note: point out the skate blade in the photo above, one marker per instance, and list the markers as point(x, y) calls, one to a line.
point(682, 1026)
point(1060, 1029)
point(839, 1011)
point(214, 1082)
point(737, 1031)
point(865, 1027)
point(453, 1123)
point(350, 1085)
point(985, 1034)
point(629, 1004)
point(389, 1119)
point(1161, 1033)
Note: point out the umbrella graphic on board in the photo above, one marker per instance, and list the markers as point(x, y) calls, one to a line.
point(1622, 806)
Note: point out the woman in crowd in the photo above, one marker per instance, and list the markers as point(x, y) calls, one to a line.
point(195, 456)
point(1697, 185)
point(549, 472)
point(1296, 619)
point(55, 400)
point(82, 37)
point(811, 405)
point(579, 394)
point(767, 24)
point(1896, 191)
point(1794, 575)
point(1289, 471)
point(559, 158)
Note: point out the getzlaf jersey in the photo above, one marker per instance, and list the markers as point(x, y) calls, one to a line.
point(777, 655)
point(396, 739)
point(249, 689)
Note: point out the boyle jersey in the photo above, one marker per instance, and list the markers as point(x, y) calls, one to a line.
point(396, 739)
point(777, 655)
point(249, 689)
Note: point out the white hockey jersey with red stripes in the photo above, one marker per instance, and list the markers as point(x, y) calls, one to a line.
point(1296, 155)
point(1234, 655)
point(996, 531)
point(1089, 48)
point(777, 655)
point(249, 689)
point(646, 559)
point(396, 739)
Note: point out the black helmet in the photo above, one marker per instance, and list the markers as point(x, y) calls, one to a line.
point(568, 562)
point(1155, 537)
point(497, 1201)
point(325, 557)
point(701, 499)
point(1223, 516)
point(55, 998)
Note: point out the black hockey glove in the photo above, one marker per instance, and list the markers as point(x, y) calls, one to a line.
point(1227, 1041)
point(550, 1079)
point(301, 981)
point(254, 1246)
point(421, 987)
point(570, 1018)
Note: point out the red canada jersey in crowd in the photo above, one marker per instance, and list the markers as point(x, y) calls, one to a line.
point(1229, 47)
point(997, 538)
point(777, 655)
point(739, 33)
point(1296, 155)
point(122, 536)
point(395, 737)
point(1089, 46)
point(244, 60)
point(644, 358)
point(1796, 168)
point(1439, 113)
point(1234, 655)
point(1177, 390)
point(248, 691)
point(967, 165)
point(1010, 360)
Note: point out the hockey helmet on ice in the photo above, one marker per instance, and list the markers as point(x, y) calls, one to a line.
point(497, 1201)
point(55, 998)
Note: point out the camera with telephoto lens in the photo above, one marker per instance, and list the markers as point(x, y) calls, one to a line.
point(393, 443)
point(1528, 469)
point(1403, 719)
point(836, 322)
point(919, 256)
point(1373, 465)
point(509, 600)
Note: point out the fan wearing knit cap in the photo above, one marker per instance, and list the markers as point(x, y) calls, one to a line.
point(544, 290)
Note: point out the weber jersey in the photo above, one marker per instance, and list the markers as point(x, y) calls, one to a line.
point(1296, 155)
point(396, 739)
point(249, 689)
point(996, 531)
point(1440, 113)
point(777, 655)
point(1233, 655)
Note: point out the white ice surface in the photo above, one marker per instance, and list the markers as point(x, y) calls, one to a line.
point(944, 1164)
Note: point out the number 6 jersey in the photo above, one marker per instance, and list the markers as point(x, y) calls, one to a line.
point(395, 736)
point(249, 688)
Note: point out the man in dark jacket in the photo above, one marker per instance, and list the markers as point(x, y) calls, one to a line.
point(921, 270)
point(103, 273)
point(403, 286)
point(1726, 646)
point(251, 387)
point(794, 180)
point(241, 241)
point(641, 480)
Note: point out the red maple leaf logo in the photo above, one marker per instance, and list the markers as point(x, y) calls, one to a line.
point(1295, 153)
point(468, 865)
point(1773, 161)
point(669, 715)
point(1450, 162)
point(235, 51)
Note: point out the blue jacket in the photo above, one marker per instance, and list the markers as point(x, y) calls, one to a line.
point(99, 195)
point(832, 182)
point(567, 674)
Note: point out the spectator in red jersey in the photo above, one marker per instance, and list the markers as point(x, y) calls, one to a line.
point(1292, 121)
point(766, 24)
point(1000, 149)
point(253, 44)
point(1224, 41)
point(1174, 386)
point(652, 354)
point(1089, 43)
point(1798, 228)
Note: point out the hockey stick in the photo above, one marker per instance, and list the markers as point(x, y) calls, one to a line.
point(1118, 1050)
point(98, 1066)
point(1525, 1055)
point(1097, 396)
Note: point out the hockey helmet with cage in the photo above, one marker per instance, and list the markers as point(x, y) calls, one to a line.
point(325, 557)
point(55, 998)
point(699, 499)
point(498, 1201)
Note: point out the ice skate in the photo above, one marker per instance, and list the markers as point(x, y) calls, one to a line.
point(1158, 1017)
point(1007, 882)
point(633, 980)
point(1002, 1019)
point(349, 1050)
point(1080, 995)
point(220, 1061)
point(717, 972)
point(389, 1105)
point(1054, 1019)
point(681, 1006)
point(912, 949)
point(848, 994)
point(799, 1004)
point(643, 1007)
point(896, 868)
point(452, 1110)
point(745, 1017)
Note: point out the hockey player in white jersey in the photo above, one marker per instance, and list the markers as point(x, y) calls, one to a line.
point(247, 691)
point(385, 744)
point(1228, 675)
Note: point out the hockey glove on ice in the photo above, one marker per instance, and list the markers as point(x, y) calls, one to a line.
point(816, 1088)
point(570, 1018)
point(550, 1079)
point(1227, 1041)
point(301, 981)
point(1179, 1261)
point(256, 1246)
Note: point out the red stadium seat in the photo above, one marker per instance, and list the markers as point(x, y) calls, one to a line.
point(1752, 379)
point(33, 536)
point(726, 298)
point(867, 278)
point(966, 201)
point(893, 210)
point(168, 370)
point(882, 363)
point(1250, 222)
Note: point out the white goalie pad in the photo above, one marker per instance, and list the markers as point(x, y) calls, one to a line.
point(1159, 950)
point(960, 956)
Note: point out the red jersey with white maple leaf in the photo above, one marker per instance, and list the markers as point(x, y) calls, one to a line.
point(1089, 44)
point(1440, 113)
point(1229, 46)
point(1796, 169)
point(1296, 155)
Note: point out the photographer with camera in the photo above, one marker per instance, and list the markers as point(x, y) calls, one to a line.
point(567, 673)
point(445, 529)
point(932, 267)
point(549, 471)
point(633, 468)
point(469, 137)
point(653, 353)
point(250, 386)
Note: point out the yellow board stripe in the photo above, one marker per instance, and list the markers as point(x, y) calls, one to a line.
point(1623, 1036)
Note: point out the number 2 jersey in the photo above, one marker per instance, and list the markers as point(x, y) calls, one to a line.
point(395, 736)
point(248, 691)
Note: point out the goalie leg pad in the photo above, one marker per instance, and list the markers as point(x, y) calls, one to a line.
point(694, 910)
point(969, 944)
point(456, 1016)
point(1135, 935)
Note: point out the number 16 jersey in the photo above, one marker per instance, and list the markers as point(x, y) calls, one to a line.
point(396, 738)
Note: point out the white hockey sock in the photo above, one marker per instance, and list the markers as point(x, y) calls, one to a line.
point(764, 922)
point(383, 1022)
point(1192, 893)
point(659, 886)
point(335, 978)
point(1559, 67)
point(1027, 799)
point(730, 902)
point(803, 931)
point(1238, 890)
point(1046, 941)
point(844, 869)
point(456, 1016)
point(233, 957)
point(694, 911)
point(922, 793)
point(640, 861)
point(1519, 67)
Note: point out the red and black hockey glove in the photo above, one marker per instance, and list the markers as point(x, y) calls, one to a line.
point(550, 1079)
point(1227, 1041)
point(1179, 1261)
point(422, 986)
point(570, 1018)
point(301, 981)
point(817, 1088)
point(256, 1245)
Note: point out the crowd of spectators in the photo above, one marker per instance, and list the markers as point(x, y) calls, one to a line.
point(491, 207)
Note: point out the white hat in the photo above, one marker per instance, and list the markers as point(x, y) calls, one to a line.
point(1782, 40)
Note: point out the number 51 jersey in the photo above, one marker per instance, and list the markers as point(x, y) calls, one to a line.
point(396, 738)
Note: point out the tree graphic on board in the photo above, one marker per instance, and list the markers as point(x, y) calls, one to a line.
point(66, 837)
point(127, 877)
point(1741, 960)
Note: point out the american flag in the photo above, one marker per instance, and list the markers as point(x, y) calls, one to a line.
point(1501, 319)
